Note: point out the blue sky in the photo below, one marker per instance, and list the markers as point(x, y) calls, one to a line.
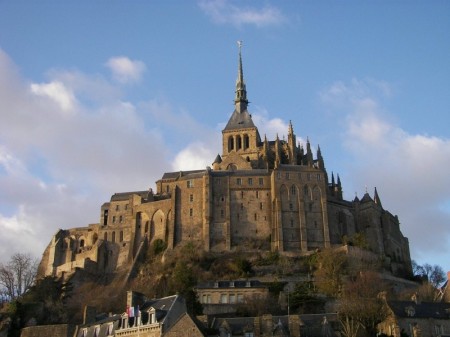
point(98, 97)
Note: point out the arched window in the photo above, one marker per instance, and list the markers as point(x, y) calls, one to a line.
point(105, 236)
point(121, 236)
point(113, 239)
point(246, 142)
point(230, 143)
point(238, 143)
point(293, 190)
point(82, 243)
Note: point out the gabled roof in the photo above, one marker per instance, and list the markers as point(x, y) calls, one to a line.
point(366, 198)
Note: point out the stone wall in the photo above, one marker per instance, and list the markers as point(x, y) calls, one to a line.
point(60, 330)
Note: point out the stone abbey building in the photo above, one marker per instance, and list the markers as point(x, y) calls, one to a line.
point(258, 194)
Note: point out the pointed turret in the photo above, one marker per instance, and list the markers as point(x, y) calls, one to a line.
point(320, 158)
point(277, 152)
point(309, 156)
point(376, 198)
point(292, 148)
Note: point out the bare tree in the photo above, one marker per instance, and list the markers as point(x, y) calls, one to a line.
point(17, 275)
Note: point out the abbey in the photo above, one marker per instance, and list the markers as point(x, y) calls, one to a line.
point(257, 195)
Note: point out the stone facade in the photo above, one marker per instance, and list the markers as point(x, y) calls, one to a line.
point(258, 194)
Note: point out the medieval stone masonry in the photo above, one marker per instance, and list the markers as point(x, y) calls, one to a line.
point(259, 194)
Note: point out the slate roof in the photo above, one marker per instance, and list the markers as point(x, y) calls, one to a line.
point(436, 310)
point(125, 195)
point(181, 174)
point(239, 120)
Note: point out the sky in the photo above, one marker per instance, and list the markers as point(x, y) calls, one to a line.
point(99, 97)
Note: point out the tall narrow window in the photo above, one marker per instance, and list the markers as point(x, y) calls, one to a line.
point(239, 181)
point(250, 181)
point(261, 181)
point(230, 143)
point(191, 211)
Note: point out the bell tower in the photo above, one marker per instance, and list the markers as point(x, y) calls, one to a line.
point(240, 136)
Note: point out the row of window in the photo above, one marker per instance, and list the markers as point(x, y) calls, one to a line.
point(239, 181)
point(309, 176)
point(113, 236)
point(120, 220)
point(125, 207)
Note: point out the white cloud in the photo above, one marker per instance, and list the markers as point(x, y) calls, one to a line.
point(410, 171)
point(125, 70)
point(196, 156)
point(271, 127)
point(57, 92)
point(225, 12)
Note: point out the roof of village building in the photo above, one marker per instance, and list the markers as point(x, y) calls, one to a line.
point(436, 310)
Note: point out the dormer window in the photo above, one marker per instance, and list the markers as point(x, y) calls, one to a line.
point(410, 311)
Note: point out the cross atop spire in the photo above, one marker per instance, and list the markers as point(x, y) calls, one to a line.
point(241, 91)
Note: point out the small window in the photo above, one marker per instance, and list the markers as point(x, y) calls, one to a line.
point(167, 189)
point(293, 190)
point(278, 175)
point(120, 218)
point(291, 206)
point(261, 205)
point(232, 298)
point(239, 181)
point(250, 181)
point(240, 298)
point(191, 211)
point(318, 177)
point(223, 298)
point(191, 197)
point(117, 207)
point(287, 175)
point(261, 181)
point(257, 194)
point(190, 183)
point(292, 222)
point(126, 206)
point(256, 216)
point(114, 219)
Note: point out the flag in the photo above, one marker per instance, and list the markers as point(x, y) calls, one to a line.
point(130, 312)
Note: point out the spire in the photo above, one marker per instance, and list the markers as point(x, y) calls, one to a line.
point(376, 198)
point(291, 129)
point(241, 91)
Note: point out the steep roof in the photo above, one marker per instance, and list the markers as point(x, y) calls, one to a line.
point(239, 120)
